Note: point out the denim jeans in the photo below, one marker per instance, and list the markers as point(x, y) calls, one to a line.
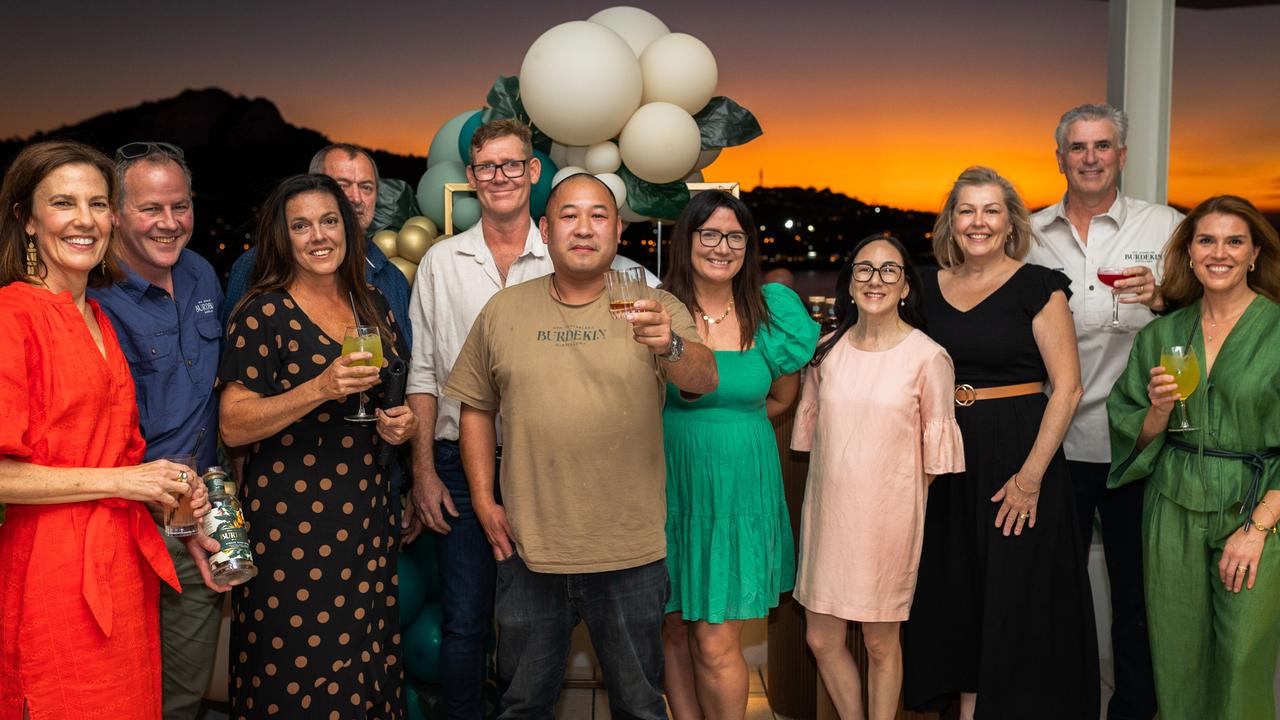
point(536, 614)
point(466, 594)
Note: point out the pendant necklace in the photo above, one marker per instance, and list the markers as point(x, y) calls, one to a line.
point(715, 321)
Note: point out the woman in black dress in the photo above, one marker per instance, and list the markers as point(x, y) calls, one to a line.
point(317, 633)
point(1003, 615)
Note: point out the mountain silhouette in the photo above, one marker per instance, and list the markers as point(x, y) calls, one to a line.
point(238, 149)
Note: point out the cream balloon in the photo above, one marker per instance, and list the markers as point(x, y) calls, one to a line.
point(660, 143)
point(557, 154)
point(565, 172)
point(406, 268)
point(580, 81)
point(576, 155)
point(386, 242)
point(638, 27)
point(425, 223)
point(413, 242)
point(615, 184)
point(679, 69)
point(631, 216)
point(602, 158)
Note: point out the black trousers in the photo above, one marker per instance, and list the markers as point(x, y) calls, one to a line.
point(1121, 513)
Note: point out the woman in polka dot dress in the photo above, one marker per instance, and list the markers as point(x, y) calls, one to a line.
point(317, 633)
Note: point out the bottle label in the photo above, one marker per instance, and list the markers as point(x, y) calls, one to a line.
point(225, 523)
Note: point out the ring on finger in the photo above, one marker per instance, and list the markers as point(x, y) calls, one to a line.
point(182, 475)
point(1241, 568)
point(1024, 516)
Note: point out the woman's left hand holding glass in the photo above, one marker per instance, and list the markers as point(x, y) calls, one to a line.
point(1238, 566)
point(1018, 499)
point(396, 425)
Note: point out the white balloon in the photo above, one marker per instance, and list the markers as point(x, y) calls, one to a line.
point(557, 154)
point(565, 172)
point(602, 158)
point(580, 82)
point(575, 155)
point(638, 27)
point(660, 143)
point(706, 157)
point(679, 69)
point(615, 184)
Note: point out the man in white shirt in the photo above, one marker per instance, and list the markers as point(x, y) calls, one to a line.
point(454, 281)
point(1095, 227)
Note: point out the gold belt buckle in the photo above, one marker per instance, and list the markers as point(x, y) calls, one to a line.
point(966, 395)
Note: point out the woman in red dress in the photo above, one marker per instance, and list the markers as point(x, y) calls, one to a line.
point(80, 557)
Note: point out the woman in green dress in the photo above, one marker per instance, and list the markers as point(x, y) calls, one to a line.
point(1211, 560)
point(730, 551)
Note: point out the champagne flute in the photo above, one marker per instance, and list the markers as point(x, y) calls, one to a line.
point(1109, 276)
point(1181, 362)
point(363, 338)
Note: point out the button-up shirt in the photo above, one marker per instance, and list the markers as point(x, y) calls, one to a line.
point(378, 272)
point(172, 343)
point(1131, 232)
point(455, 280)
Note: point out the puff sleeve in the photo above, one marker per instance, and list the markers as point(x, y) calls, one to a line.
point(787, 342)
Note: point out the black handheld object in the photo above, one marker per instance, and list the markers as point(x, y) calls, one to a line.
point(394, 377)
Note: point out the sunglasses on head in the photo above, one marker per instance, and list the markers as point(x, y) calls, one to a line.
point(135, 150)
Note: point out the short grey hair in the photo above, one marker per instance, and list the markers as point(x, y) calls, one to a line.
point(156, 157)
point(351, 151)
point(1101, 111)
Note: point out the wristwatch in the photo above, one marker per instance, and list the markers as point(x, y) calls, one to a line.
point(675, 350)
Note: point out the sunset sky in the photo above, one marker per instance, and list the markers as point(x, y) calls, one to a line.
point(885, 100)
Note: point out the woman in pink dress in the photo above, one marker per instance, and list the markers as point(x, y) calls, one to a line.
point(877, 413)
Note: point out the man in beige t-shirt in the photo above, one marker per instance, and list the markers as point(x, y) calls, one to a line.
point(580, 532)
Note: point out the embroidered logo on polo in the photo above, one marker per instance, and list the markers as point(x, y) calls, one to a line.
point(569, 335)
point(204, 307)
point(1144, 256)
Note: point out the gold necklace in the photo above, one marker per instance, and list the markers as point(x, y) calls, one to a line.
point(715, 321)
point(1213, 324)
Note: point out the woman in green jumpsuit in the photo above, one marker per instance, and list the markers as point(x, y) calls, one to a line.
point(1211, 557)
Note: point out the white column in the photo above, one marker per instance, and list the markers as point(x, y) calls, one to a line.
point(1140, 81)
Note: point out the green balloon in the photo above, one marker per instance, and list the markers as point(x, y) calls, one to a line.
point(410, 588)
point(465, 134)
point(466, 212)
point(541, 191)
point(413, 700)
point(431, 188)
point(444, 146)
point(422, 644)
point(423, 552)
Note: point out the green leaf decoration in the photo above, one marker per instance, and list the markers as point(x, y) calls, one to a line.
point(504, 102)
point(397, 202)
point(664, 202)
point(725, 123)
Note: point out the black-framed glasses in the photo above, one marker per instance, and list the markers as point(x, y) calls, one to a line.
point(135, 150)
point(890, 273)
point(712, 238)
point(488, 171)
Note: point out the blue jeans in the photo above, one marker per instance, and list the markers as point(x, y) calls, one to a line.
point(466, 594)
point(536, 614)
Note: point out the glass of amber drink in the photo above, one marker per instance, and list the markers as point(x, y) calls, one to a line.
point(181, 520)
point(625, 287)
point(1181, 362)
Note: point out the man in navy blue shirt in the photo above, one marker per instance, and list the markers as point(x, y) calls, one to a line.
point(354, 170)
point(166, 313)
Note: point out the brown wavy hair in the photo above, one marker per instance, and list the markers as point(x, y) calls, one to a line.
point(17, 198)
point(1181, 287)
point(748, 298)
point(945, 248)
point(274, 268)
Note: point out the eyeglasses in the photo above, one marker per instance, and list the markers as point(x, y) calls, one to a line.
point(485, 172)
point(135, 150)
point(712, 238)
point(890, 273)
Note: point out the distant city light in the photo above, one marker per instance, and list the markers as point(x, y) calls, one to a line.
point(877, 209)
point(810, 228)
point(788, 224)
point(761, 228)
point(812, 254)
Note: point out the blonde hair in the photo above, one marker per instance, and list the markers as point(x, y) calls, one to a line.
point(945, 248)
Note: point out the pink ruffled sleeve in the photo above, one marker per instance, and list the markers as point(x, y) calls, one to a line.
point(806, 411)
point(943, 447)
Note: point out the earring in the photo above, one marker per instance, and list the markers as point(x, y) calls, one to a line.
point(1251, 266)
point(1191, 264)
point(33, 259)
point(902, 302)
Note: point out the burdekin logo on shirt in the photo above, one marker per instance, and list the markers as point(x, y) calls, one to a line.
point(571, 335)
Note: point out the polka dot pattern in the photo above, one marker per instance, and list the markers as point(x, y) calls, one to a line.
point(317, 633)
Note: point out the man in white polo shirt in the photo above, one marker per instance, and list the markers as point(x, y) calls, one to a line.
point(1095, 227)
point(455, 279)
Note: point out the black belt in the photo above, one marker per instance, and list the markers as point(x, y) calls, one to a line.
point(1256, 462)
